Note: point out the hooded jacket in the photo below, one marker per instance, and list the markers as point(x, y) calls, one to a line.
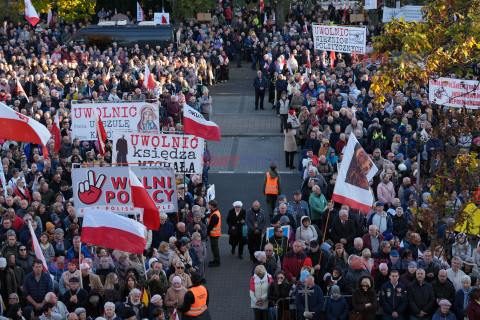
point(360, 298)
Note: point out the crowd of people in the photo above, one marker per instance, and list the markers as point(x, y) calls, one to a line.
point(348, 263)
point(318, 259)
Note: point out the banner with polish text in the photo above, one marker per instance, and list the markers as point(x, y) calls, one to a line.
point(124, 116)
point(456, 93)
point(339, 38)
point(108, 188)
point(183, 153)
point(407, 13)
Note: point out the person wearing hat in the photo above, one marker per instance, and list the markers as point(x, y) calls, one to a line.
point(214, 232)
point(197, 224)
point(470, 268)
point(8, 280)
point(336, 307)
point(272, 186)
point(236, 221)
point(290, 145)
point(299, 206)
point(75, 296)
point(315, 300)
point(443, 312)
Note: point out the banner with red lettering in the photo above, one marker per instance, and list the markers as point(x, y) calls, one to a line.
point(183, 153)
point(123, 116)
point(107, 188)
point(339, 38)
point(456, 93)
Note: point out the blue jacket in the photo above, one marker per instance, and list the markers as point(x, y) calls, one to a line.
point(393, 299)
point(37, 290)
point(337, 309)
point(458, 304)
point(315, 302)
point(162, 234)
point(71, 253)
point(195, 260)
point(438, 316)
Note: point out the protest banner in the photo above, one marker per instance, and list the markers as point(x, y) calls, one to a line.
point(161, 17)
point(371, 4)
point(183, 153)
point(108, 188)
point(339, 38)
point(210, 193)
point(132, 116)
point(456, 93)
point(407, 13)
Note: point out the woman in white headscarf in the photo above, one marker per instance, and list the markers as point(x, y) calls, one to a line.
point(236, 221)
point(175, 294)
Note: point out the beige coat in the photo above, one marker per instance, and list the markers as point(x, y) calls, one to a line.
point(173, 295)
point(290, 143)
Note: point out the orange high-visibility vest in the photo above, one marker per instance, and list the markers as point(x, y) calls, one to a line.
point(200, 304)
point(217, 230)
point(271, 187)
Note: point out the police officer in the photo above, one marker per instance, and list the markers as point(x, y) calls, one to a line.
point(393, 298)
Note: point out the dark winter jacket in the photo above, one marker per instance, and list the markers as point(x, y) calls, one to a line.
point(421, 298)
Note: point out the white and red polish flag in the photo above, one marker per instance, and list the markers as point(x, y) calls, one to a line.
point(49, 16)
point(141, 199)
point(30, 13)
point(194, 123)
point(20, 89)
point(148, 81)
point(106, 229)
point(101, 133)
point(18, 127)
point(36, 248)
point(140, 14)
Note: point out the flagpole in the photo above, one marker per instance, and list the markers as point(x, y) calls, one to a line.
point(80, 264)
point(137, 216)
point(184, 164)
point(323, 240)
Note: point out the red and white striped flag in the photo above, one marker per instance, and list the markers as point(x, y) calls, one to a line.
point(262, 5)
point(332, 59)
point(148, 81)
point(308, 60)
point(56, 134)
point(36, 248)
point(174, 315)
point(305, 28)
point(101, 133)
point(108, 76)
point(141, 199)
point(30, 13)
point(194, 123)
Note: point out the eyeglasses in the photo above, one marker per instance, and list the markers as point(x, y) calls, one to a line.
point(365, 286)
point(180, 267)
point(280, 278)
point(22, 249)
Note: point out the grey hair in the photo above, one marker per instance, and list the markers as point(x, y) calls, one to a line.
point(163, 215)
point(342, 212)
point(109, 304)
point(133, 291)
point(48, 296)
point(466, 278)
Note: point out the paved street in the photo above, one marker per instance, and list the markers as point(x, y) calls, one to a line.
point(251, 140)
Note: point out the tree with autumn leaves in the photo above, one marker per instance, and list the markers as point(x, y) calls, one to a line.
point(445, 44)
point(69, 10)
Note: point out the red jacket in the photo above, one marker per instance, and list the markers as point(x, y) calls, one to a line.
point(473, 310)
point(292, 263)
point(368, 244)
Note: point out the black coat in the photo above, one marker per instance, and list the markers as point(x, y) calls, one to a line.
point(339, 231)
point(421, 298)
point(400, 226)
point(238, 222)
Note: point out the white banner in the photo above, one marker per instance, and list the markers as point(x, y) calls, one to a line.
point(408, 13)
point(161, 17)
point(108, 188)
point(132, 116)
point(371, 4)
point(339, 38)
point(183, 153)
point(455, 93)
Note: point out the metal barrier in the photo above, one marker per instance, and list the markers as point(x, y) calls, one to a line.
point(291, 313)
